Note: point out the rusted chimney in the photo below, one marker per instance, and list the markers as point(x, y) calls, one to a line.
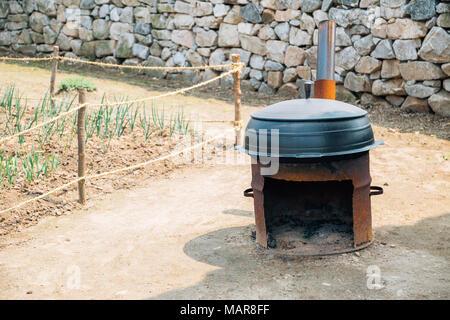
point(325, 86)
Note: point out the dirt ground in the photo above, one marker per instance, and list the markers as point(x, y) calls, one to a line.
point(130, 149)
point(187, 234)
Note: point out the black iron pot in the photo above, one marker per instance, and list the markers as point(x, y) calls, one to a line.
point(309, 128)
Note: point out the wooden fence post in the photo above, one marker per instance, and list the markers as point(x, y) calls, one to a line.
point(237, 100)
point(54, 71)
point(81, 133)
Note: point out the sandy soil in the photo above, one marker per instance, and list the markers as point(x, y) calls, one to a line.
point(188, 236)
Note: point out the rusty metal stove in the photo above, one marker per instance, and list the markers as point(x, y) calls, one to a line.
point(317, 200)
point(314, 207)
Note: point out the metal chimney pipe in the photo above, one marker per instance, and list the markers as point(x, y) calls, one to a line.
point(325, 54)
point(325, 86)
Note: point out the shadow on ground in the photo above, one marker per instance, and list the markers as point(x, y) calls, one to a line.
point(249, 273)
point(238, 212)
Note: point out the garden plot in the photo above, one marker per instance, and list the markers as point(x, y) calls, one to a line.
point(117, 136)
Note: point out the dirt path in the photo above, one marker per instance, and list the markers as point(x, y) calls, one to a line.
point(188, 236)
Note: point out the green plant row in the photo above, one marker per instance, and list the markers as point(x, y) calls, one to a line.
point(14, 117)
point(124, 117)
point(32, 165)
point(104, 123)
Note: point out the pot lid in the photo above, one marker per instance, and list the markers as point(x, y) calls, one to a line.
point(309, 110)
point(308, 128)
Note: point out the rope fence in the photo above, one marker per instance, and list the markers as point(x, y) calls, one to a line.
point(112, 172)
point(235, 70)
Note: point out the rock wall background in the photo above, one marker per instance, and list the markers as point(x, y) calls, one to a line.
point(387, 50)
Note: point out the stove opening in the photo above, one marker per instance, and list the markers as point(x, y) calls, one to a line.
point(308, 215)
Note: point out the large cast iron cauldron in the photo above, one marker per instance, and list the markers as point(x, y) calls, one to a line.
point(310, 128)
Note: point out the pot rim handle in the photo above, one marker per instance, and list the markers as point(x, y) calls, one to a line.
point(375, 190)
point(248, 193)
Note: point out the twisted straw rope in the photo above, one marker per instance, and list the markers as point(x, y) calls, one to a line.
point(99, 175)
point(27, 59)
point(43, 123)
point(117, 66)
point(109, 104)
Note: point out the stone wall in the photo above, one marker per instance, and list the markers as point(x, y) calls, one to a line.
point(387, 50)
